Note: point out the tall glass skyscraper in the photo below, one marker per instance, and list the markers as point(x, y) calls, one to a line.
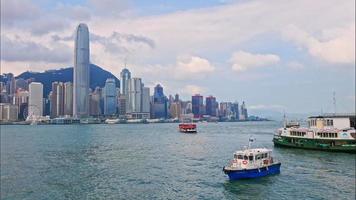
point(125, 76)
point(81, 72)
point(110, 99)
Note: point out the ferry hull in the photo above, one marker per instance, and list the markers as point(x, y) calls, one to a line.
point(253, 173)
point(313, 145)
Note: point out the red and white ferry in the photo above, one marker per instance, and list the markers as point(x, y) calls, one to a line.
point(188, 128)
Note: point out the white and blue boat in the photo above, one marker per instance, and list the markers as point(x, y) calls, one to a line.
point(252, 163)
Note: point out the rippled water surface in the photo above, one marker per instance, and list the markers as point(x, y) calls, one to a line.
point(154, 161)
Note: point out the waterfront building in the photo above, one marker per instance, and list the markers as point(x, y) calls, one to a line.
point(146, 100)
point(125, 76)
point(243, 112)
point(134, 95)
point(95, 102)
point(68, 98)
point(60, 100)
point(160, 103)
point(35, 102)
point(175, 110)
point(211, 105)
point(53, 100)
point(81, 72)
point(226, 110)
point(8, 112)
point(122, 105)
point(236, 111)
point(21, 101)
point(197, 105)
point(110, 98)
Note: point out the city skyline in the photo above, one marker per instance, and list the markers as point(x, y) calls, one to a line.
point(290, 64)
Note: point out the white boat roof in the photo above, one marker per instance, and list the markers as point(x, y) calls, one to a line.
point(253, 151)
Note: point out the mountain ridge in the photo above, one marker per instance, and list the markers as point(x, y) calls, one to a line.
point(97, 76)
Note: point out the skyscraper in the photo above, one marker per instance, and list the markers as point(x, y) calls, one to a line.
point(134, 95)
point(243, 112)
point(211, 105)
point(53, 100)
point(159, 106)
point(146, 99)
point(60, 99)
point(197, 105)
point(110, 98)
point(35, 102)
point(68, 98)
point(95, 102)
point(81, 72)
point(125, 76)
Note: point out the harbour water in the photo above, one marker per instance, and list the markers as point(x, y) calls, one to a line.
point(155, 161)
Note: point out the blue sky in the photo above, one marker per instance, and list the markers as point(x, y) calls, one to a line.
point(276, 55)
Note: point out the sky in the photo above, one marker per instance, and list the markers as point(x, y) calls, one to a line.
point(277, 55)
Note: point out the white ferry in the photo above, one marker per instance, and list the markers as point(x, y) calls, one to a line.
point(331, 132)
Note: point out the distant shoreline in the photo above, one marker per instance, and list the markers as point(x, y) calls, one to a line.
point(28, 123)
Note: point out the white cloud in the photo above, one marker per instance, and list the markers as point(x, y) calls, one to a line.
point(338, 45)
point(193, 89)
point(242, 61)
point(192, 66)
point(18, 10)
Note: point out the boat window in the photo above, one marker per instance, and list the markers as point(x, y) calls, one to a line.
point(245, 158)
point(239, 157)
point(266, 155)
point(258, 157)
point(250, 158)
point(235, 156)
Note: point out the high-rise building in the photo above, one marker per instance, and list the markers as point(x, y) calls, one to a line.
point(60, 99)
point(81, 72)
point(197, 105)
point(122, 105)
point(159, 104)
point(125, 77)
point(35, 102)
point(68, 98)
point(134, 95)
point(175, 110)
point(211, 105)
point(21, 100)
point(8, 112)
point(110, 98)
point(53, 99)
point(235, 110)
point(95, 102)
point(243, 112)
point(146, 100)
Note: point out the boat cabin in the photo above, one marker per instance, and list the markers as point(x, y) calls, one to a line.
point(333, 121)
point(252, 158)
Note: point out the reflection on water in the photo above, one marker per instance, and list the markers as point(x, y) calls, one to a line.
point(155, 161)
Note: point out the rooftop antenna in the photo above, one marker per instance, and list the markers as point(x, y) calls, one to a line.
point(334, 102)
point(284, 119)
